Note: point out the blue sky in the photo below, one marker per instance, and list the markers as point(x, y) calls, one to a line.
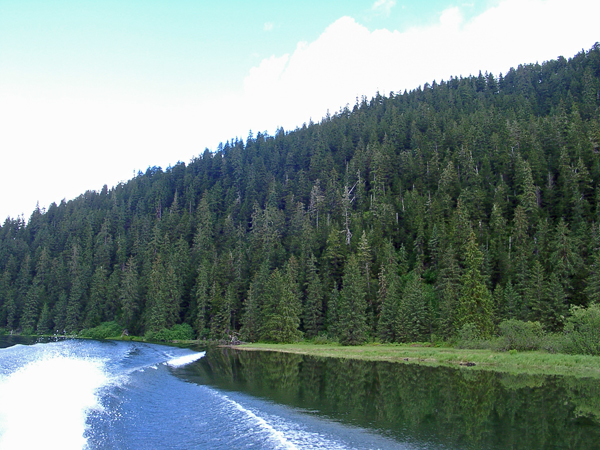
point(92, 91)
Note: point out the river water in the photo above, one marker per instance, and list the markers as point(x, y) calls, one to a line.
point(80, 394)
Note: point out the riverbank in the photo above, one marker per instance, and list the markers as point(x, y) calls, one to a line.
point(529, 362)
point(533, 363)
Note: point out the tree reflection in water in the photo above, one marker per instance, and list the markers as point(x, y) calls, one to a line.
point(458, 408)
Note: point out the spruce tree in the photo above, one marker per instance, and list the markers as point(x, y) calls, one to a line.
point(282, 309)
point(313, 306)
point(98, 291)
point(413, 323)
point(389, 294)
point(44, 325)
point(129, 295)
point(254, 313)
point(448, 289)
point(536, 295)
point(475, 302)
point(351, 311)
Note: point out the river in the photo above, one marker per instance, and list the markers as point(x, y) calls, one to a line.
point(82, 394)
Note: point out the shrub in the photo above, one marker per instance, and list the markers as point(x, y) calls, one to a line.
point(323, 338)
point(180, 332)
point(469, 337)
point(102, 331)
point(27, 331)
point(554, 343)
point(519, 335)
point(582, 331)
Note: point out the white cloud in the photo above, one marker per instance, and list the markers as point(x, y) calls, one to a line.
point(451, 18)
point(60, 145)
point(348, 60)
point(383, 6)
point(268, 26)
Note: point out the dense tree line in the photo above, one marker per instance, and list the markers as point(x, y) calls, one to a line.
point(403, 218)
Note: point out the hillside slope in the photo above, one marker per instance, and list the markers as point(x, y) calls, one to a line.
point(465, 202)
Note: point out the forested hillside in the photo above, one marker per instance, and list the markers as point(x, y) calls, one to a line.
point(402, 218)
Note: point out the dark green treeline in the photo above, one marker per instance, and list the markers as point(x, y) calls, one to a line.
point(404, 217)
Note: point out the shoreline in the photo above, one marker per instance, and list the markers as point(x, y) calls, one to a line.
point(529, 363)
point(515, 363)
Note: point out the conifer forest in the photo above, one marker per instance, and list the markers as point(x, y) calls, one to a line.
point(403, 218)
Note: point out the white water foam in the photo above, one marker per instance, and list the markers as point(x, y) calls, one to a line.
point(186, 359)
point(275, 435)
point(282, 433)
point(44, 404)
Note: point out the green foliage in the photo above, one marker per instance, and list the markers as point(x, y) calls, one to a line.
point(44, 325)
point(470, 336)
point(519, 335)
point(446, 193)
point(582, 330)
point(351, 310)
point(282, 307)
point(313, 306)
point(180, 332)
point(475, 301)
point(413, 315)
point(103, 331)
point(389, 294)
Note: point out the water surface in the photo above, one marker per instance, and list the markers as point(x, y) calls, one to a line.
point(434, 407)
point(77, 394)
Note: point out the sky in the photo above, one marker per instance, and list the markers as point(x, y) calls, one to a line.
point(92, 91)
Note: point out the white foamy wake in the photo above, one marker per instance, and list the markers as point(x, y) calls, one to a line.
point(280, 432)
point(44, 404)
point(186, 359)
point(275, 435)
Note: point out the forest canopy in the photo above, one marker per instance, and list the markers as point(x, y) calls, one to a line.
point(403, 218)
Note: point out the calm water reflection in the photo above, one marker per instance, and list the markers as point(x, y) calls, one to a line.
point(443, 407)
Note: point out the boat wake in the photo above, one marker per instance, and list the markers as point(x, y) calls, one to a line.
point(47, 401)
point(48, 391)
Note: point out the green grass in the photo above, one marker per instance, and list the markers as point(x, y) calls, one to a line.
point(534, 362)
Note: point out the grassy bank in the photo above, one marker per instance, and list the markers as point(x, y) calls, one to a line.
point(531, 362)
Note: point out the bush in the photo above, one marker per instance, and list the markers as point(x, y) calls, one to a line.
point(519, 335)
point(27, 331)
point(582, 331)
point(554, 343)
point(323, 338)
point(469, 337)
point(181, 332)
point(103, 331)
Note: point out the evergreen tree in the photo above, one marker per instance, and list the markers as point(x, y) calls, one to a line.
point(313, 306)
point(564, 259)
point(221, 326)
point(253, 316)
point(44, 325)
point(448, 289)
point(536, 291)
point(129, 295)
point(423, 170)
point(164, 296)
point(98, 296)
point(32, 307)
point(414, 324)
point(390, 289)
point(351, 311)
point(282, 309)
point(475, 302)
point(554, 310)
